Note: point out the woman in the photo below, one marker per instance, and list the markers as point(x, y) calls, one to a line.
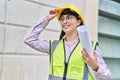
point(68, 61)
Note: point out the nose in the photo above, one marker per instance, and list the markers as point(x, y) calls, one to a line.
point(65, 20)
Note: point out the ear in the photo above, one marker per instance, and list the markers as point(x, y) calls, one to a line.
point(79, 22)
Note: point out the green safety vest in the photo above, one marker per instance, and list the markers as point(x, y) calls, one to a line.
point(75, 69)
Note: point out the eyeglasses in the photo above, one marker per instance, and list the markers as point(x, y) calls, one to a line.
point(68, 18)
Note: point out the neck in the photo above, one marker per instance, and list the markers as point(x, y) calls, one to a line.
point(71, 37)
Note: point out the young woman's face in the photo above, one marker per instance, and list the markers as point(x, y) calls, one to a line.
point(69, 23)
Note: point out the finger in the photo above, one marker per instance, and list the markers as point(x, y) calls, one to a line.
point(95, 54)
point(57, 11)
point(52, 11)
point(84, 58)
point(86, 52)
point(83, 55)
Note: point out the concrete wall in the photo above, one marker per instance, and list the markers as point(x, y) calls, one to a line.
point(17, 60)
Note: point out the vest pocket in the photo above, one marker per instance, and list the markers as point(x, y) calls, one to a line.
point(58, 69)
point(75, 72)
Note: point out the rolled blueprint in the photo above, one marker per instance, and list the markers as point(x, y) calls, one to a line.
point(85, 39)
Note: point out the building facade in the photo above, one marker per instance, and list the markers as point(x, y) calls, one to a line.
point(109, 34)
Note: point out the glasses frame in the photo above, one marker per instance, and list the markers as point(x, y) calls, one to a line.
point(68, 18)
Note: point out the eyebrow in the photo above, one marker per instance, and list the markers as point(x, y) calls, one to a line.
point(67, 15)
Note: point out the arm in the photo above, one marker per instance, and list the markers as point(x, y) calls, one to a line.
point(31, 38)
point(97, 63)
point(103, 73)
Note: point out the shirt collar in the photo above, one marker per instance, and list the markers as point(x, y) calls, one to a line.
point(74, 41)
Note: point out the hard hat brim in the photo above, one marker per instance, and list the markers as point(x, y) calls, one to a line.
point(72, 8)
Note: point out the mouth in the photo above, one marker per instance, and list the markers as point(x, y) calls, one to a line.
point(66, 26)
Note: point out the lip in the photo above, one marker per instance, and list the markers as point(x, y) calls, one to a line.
point(66, 26)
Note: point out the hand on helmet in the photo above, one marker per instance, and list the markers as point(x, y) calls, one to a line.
point(51, 14)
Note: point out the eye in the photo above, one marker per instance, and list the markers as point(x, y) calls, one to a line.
point(61, 19)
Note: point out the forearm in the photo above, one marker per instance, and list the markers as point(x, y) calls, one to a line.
point(103, 72)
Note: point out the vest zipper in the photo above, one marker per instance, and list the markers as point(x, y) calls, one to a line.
point(66, 64)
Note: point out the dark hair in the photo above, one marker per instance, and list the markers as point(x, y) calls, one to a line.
point(70, 12)
point(61, 35)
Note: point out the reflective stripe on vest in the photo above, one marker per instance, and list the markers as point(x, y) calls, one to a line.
point(76, 68)
point(51, 77)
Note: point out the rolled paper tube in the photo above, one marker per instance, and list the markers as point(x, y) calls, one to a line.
point(85, 39)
